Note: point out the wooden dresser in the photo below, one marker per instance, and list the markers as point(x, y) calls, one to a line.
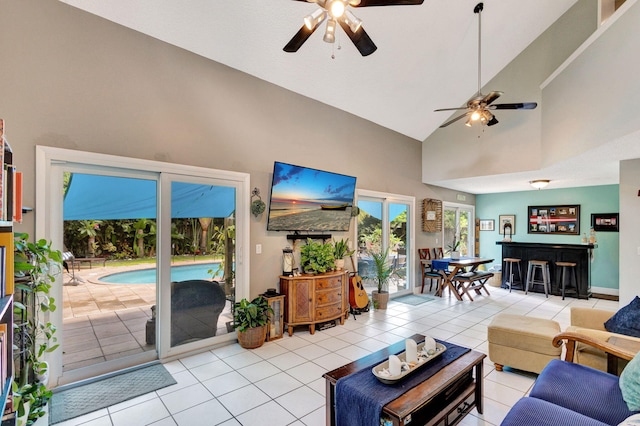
point(313, 299)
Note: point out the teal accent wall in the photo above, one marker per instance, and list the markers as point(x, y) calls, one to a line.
point(605, 269)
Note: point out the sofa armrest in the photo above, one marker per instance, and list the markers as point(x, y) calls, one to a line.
point(571, 339)
point(589, 317)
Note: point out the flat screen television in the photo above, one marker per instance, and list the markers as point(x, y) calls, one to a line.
point(305, 199)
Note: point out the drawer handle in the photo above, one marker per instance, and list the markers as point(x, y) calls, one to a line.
point(465, 407)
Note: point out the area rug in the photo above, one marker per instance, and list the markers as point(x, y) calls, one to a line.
point(414, 299)
point(84, 399)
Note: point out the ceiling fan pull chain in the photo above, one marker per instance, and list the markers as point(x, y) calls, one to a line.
point(478, 9)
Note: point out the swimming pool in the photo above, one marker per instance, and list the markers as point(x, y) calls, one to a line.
point(197, 271)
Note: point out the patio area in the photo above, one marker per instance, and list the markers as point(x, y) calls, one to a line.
point(102, 322)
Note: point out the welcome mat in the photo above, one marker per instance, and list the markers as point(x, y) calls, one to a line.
point(414, 299)
point(80, 400)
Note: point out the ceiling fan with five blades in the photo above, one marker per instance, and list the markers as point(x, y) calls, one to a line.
point(338, 12)
point(478, 108)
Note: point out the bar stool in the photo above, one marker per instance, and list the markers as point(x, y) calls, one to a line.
point(564, 268)
point(509, 262)
point(543, 267)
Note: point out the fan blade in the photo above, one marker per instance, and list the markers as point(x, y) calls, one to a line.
point(491, 97)
point(493, 121)
point(520, 105)
point(298, 40)
point(360, 39)
point(364, 3)
point(454, 119)
point(449, 109)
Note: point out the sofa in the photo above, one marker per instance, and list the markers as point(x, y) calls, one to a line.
point(567, 393)
point(590, 322)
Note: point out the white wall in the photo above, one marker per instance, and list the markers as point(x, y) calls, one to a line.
point(72, 80)
point(515, 144)
point(629, 230)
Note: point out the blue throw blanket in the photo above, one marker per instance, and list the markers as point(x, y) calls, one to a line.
point(360, 396)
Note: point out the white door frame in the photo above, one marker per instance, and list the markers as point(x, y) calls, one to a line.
point(49, 226)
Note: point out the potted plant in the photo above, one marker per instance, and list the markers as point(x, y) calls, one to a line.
point(381, 274)
point(340, 251)
point(35, 266)
point(250, 320)
point(317, 257)
point(454, 248)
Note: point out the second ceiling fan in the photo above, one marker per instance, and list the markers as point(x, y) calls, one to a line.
point(337, 12)
point(478, 108)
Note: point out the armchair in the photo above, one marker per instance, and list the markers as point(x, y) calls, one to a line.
point(569, 393)
point(590, 322)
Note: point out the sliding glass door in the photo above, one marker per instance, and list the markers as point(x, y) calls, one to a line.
point(458, 231)
point(384, 225)
point(159, 254)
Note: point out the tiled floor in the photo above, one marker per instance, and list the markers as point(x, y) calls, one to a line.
point(281, 382)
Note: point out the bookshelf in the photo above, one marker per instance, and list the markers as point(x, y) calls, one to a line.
point(10, 202)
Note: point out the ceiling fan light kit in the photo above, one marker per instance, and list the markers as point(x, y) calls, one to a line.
point(478, 108)
point(338, 13)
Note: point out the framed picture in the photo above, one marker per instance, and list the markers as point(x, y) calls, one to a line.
point(608, 222)
point(505, 219)
point(554, 220)
point(487, 225)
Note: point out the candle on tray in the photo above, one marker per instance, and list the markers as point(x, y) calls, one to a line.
point(394, 365)
point(411, 350)
point(429, 343)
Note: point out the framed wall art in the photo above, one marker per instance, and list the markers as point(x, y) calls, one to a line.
point(505, 219)
point(554, 220)
point(487, 225)
point(608, 222)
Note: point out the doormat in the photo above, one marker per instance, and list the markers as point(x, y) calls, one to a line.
point(83, 399)
point(414, 299)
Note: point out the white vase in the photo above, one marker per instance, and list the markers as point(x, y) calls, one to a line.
point(455, 255)
point(339, 264)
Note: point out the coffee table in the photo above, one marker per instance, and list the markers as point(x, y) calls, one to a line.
point(442, 400)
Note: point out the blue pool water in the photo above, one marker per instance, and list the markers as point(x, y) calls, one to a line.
point(148, 276)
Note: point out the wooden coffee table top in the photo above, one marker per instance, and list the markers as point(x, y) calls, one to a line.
point(421, 393)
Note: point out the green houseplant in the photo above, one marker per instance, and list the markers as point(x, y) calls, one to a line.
point(340, 251)
point(250, 320)
point(454, 248)
point(317, 257)
point(381, 274)
point(35, 266)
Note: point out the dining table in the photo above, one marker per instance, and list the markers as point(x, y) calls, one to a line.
point(461, 275)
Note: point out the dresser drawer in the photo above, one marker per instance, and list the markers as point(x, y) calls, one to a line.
point(328, 312)
point(328, 283)
point(328, 297)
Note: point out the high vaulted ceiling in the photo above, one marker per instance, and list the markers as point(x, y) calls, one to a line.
point(426, 57)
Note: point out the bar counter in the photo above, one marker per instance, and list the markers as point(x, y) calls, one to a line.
point(577, 253)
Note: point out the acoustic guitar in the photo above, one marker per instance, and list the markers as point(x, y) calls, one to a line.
point(358, 298)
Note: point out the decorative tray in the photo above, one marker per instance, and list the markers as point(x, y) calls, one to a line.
point(381, 371)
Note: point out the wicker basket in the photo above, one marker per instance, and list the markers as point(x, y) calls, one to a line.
point(253, 337)
point(496, 279)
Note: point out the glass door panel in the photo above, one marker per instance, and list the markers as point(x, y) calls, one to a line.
point(398, 246)
point(202, 261)
point(458, 232)
point(109, 292)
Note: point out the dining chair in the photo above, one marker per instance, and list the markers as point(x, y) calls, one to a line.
point(427, 271)
point(438, 253)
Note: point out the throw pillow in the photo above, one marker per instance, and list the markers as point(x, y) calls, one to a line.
point(630, 383)
point(626, 320)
